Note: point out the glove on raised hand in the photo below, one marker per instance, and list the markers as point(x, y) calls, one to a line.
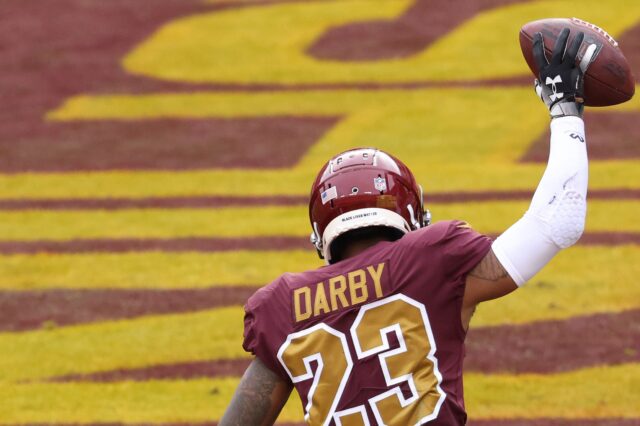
point(560, 83)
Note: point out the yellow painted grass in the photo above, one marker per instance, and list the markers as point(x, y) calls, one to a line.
point(143, 402)
point(150, 270)
point(496, 216)
point(488, 40)
point(489, 217)
point(234, 1)
point(464, 127)
point(141, 342)
point(155, 223)
point(590, 393)
point(408, 123)
point(474, 176)
point(462, 142)
point(581, 280)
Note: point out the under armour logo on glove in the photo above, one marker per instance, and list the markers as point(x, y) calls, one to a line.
point(560, 82)
point(552, 84)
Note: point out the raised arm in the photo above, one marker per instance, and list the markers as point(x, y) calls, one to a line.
point(556, 216)
point(259, 398)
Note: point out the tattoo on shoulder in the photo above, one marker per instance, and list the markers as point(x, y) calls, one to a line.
point(251, 404)
point(489, 268)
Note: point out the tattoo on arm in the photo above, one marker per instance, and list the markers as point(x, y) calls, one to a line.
point(259, 398)
point(489, 268)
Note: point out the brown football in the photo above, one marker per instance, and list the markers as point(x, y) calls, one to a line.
point(608, 81)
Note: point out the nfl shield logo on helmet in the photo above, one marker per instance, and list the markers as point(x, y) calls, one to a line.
point(380, 183)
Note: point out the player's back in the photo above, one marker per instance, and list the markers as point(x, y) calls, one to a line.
point(376, 338)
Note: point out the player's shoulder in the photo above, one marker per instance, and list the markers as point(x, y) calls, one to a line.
point(269, 294)
point(275, 296)
point(437, 233)
point(267, 321)
point(452, 247)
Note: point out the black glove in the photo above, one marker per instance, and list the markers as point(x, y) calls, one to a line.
point(560, 83)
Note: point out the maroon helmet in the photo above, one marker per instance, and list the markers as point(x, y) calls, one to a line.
point(361, 188)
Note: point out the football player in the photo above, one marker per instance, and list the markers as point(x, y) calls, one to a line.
point(377, 336)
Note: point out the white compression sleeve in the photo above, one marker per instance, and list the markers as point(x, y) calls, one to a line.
point(556, 216)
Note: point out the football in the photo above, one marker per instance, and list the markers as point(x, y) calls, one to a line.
point(608, 80)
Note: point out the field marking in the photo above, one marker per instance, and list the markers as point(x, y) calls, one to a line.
point(598, 393)
point(135, 343)
point(150, 270)
point(173, 52)
point(580, 281)
point(590, 393)
point(48, 309)
point(491, 217)
point(216, 202)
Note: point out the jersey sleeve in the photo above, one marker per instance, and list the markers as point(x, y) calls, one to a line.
point(463, 248)
point(260, 335)
point(451, 247)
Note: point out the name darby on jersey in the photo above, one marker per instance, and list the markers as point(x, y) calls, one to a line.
point(337, 292)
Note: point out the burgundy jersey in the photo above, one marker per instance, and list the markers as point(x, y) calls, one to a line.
point(376, 338)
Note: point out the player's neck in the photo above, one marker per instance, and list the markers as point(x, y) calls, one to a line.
point(356, 247)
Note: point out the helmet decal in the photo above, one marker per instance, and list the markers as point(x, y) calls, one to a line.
point(329, 194)
point(380, 183)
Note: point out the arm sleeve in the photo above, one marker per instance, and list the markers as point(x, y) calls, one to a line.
point(556, 216)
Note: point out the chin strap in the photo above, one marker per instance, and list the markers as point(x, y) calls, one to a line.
point(315, 239)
